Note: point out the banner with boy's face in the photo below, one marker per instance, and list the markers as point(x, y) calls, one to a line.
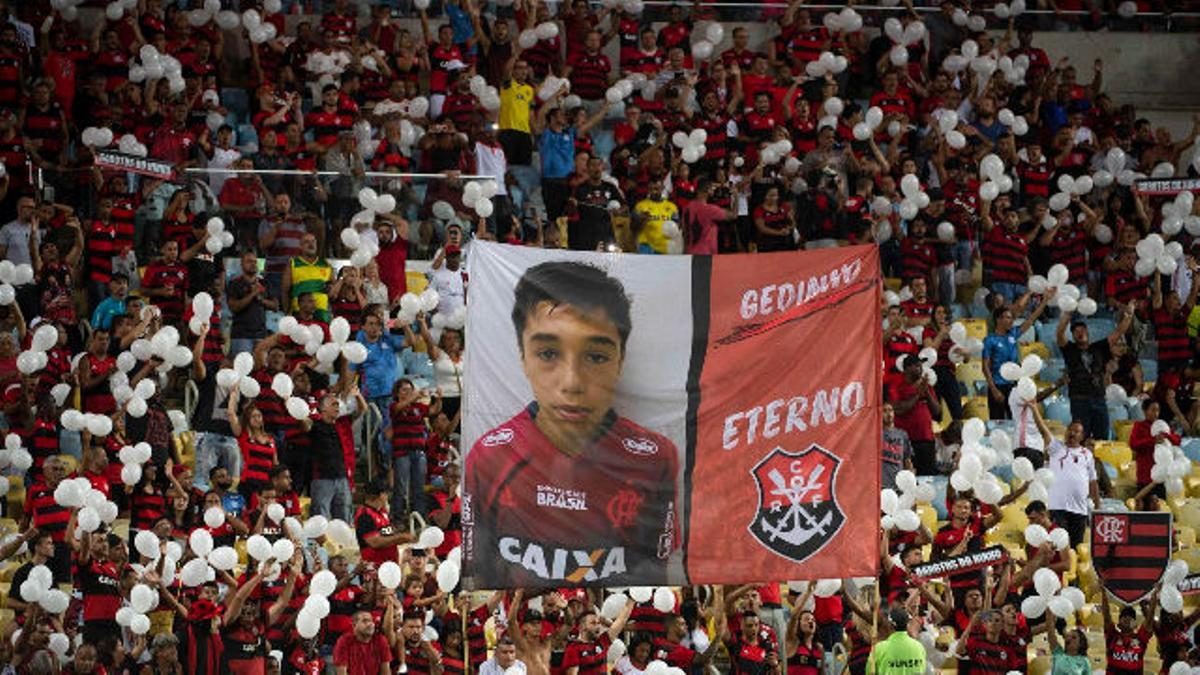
point(664, 420)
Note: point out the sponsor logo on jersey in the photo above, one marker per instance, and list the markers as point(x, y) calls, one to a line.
point(498, 437)
point(561, 498)
point(640, 446)
point(548, 562)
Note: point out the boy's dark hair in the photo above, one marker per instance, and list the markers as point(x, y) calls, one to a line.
point(277, 470)
point(1035, 506)
point(570, 283)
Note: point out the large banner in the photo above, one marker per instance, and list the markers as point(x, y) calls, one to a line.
point(1130, 550)
point(649, 420)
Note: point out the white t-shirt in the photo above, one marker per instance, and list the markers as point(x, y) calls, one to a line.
point(448, 374)
point(1026, 434)
point(1074, 470)
point(451, 290)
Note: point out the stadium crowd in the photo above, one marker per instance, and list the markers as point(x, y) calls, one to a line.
point(231, 359)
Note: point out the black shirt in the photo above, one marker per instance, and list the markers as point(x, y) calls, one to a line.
point(328, 461)
point(251, 322)
point(595, 224)
point(212, 413)
point(1086, 368)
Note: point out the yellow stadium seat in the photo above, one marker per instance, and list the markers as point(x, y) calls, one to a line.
point(1116, 453)
point(305, 504)
point(976, 406)
point(8, 569)
point(1038, 348)
point(1040, 666)
point(1122, 429)
point(893, 283)
point(4, 589)
point(416, 281)
point(928, 516)
point(8, 526)
point(7, 617)
point(969, 372)
point(69, 463)
point(1185, 536)
point(976, 328)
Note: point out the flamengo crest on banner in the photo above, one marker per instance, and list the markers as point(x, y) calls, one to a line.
point(1130, 551)
point(797, 511)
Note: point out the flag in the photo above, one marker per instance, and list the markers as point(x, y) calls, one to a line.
point(647, 420)
point(1130, 551)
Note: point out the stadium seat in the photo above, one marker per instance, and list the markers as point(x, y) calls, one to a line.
point(1052, 370)
point(1149, 370)
point(1057, 408)
point(976, 406)
point(1039, 348)
point(1122, 429)
point(1099, 328)
point(976, 328)
point(1116, 453)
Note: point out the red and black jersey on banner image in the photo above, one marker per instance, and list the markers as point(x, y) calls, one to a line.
point(1130, 551)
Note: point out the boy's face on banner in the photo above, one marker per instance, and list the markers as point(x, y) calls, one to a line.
point(573, 361)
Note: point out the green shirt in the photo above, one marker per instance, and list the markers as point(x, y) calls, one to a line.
point(1065, 664)
point(900, 654)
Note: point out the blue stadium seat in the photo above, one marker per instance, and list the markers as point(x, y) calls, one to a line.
point(247, 135)
point(1052, 369)
point(237, 103)
point(940, 484)
point(1149, 370)
point(1117, 413)
point(1098, 329)
point(1008, 426)
point(1191, 448)
point(959, 311)
point(1046, 334)
point(1058, 408)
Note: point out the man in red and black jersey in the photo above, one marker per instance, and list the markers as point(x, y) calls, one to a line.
point(43, 512)
point(552, 457)
point(377, 537)
point(670, 648)
point(917, 308)
point(588, 71)
point(328, 120)
point(587, 654)
point(985, 652)
point(1034, 170)
point(418, 656)
point(750, 652)
point(1126, 644)
point(1170, 314)
point(1005, 251)
point(165, 280)
point(645, 57)
point(738, 54)
point(100, 583)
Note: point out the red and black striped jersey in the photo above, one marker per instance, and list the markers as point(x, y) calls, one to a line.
point(589, 75)
point(45, 513)
point(1005, 256)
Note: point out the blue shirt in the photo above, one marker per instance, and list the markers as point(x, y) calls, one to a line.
point(460, 21)
point(381, 369)
point(108, 309)
point(233, 503)
point(1000, 349)
point(418, 367)
point(558, 152)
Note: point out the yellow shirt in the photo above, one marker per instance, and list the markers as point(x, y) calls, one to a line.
point(655, 213)
point(516, 101)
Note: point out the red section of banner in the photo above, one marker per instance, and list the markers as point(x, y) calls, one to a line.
point(785, 482)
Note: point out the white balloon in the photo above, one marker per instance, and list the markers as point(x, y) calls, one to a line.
point(664, 599)
point(390, 575)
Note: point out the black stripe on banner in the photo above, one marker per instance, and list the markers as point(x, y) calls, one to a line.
point(1125, 561)
point(1134, 584)
point(701, 307)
